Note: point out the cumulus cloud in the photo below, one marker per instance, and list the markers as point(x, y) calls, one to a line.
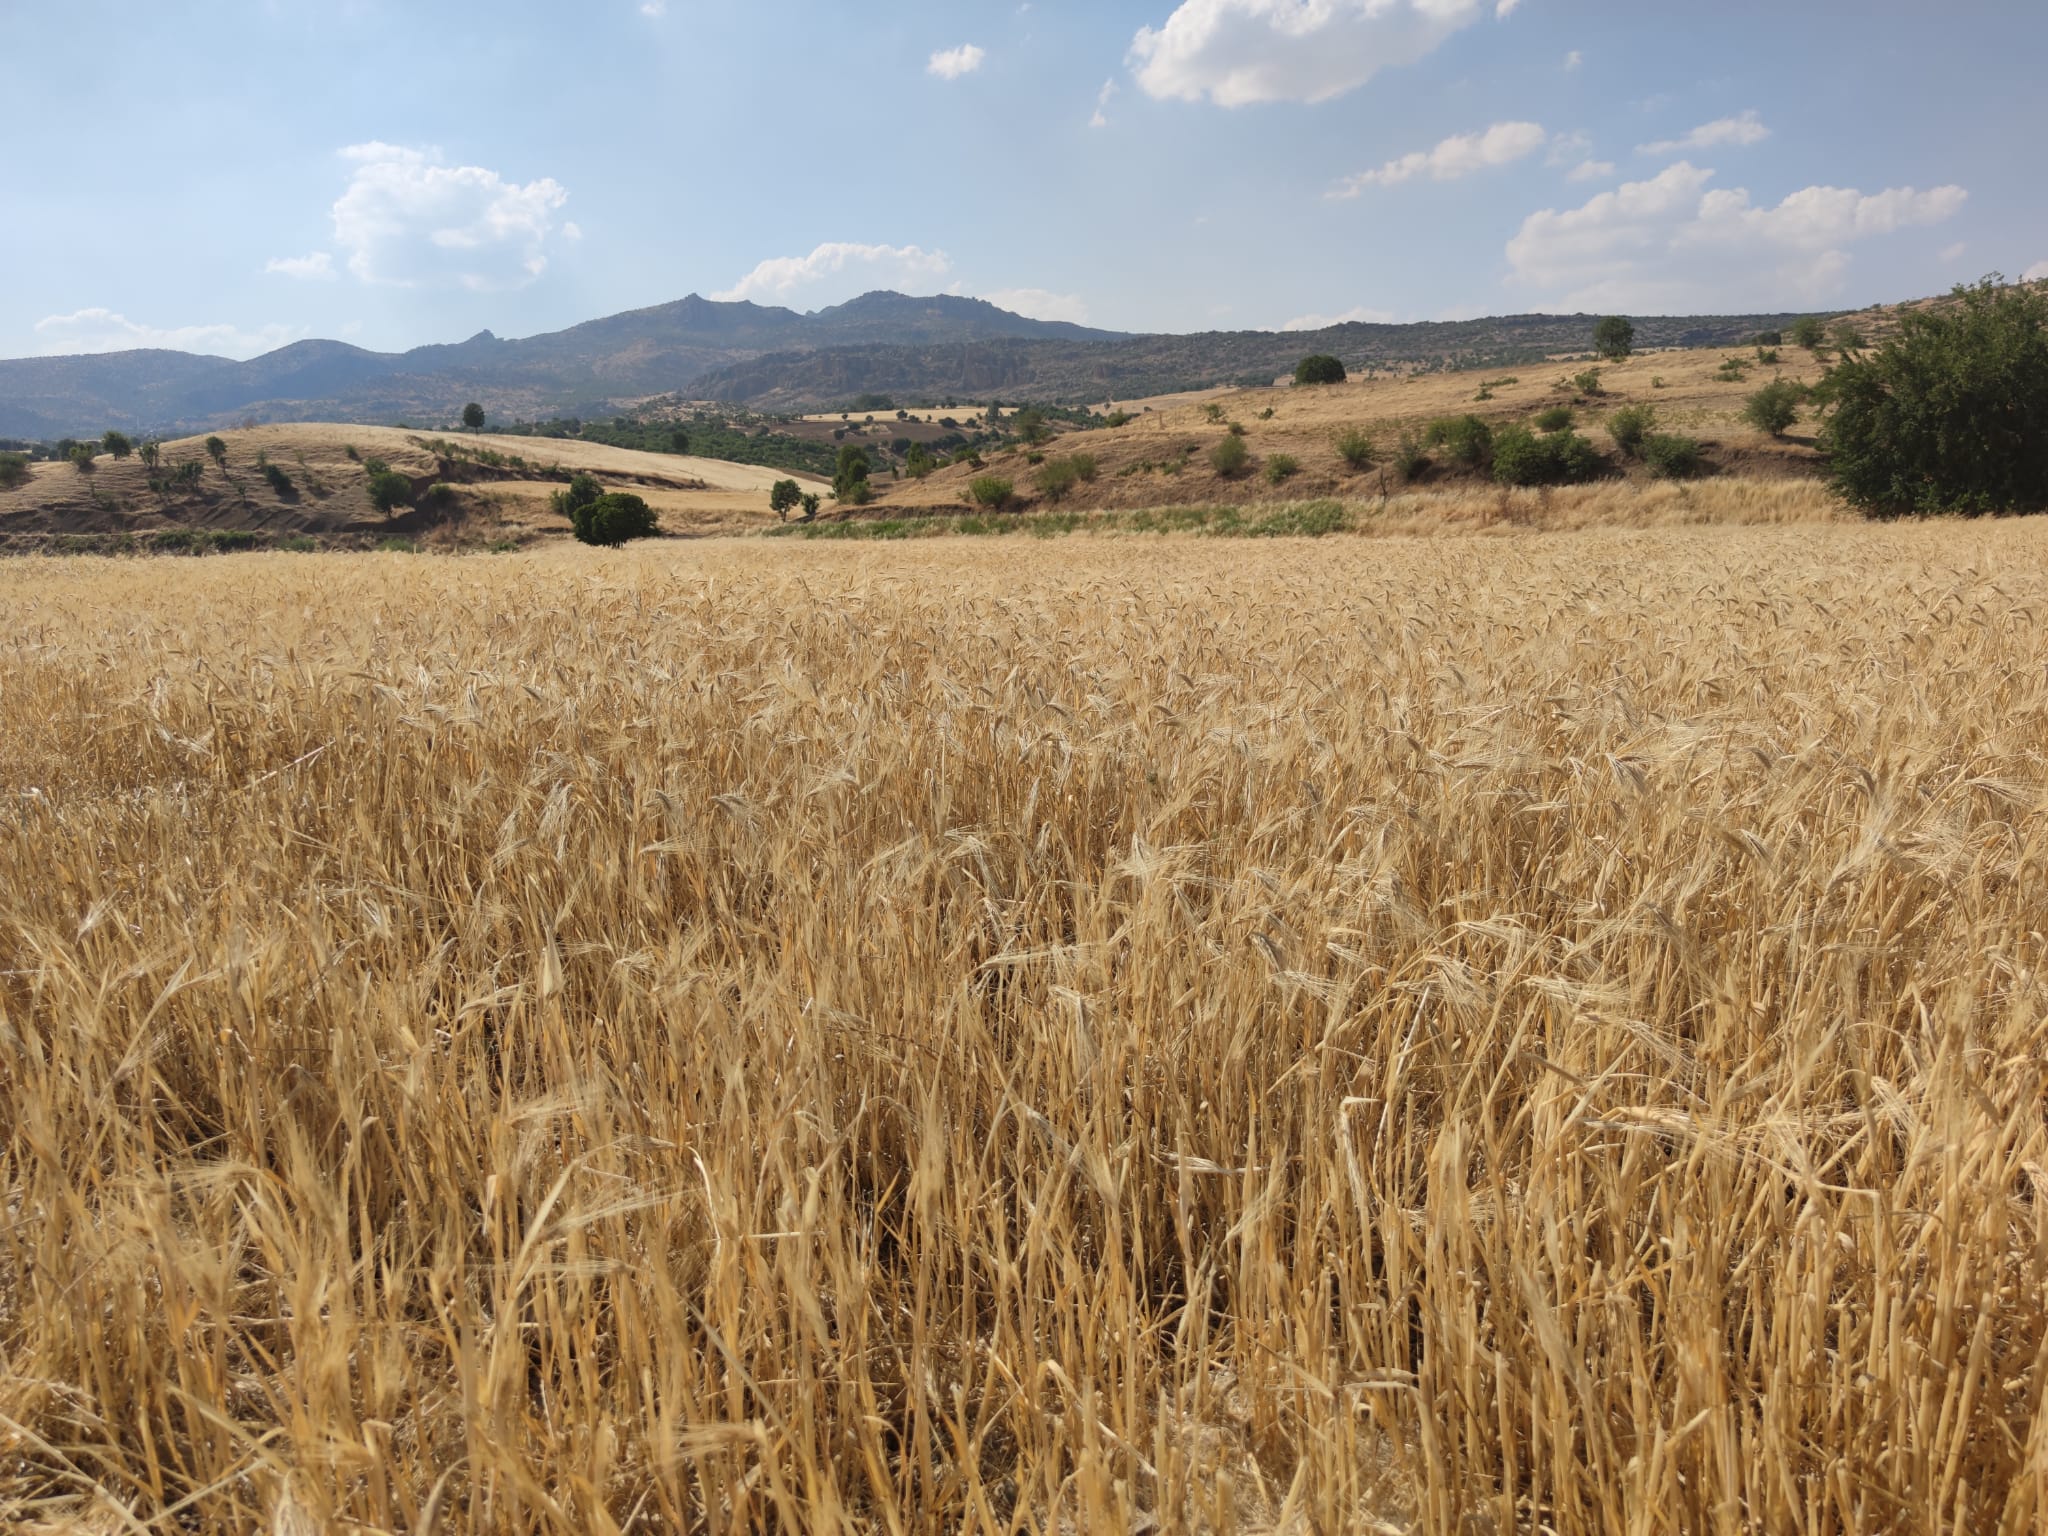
point(1740, 131)
point(1236, 52)
point(1456, 157)
point(1590, 170)
point(101, 330)
point(654, 8)
point(319, 266)
point(2037, 273)
point(1039, 304)
point(407, 220)
point(1360, 315)
point(1102, 100)
point(955, 62)
point(1574, 59)
point(1675, 243)
point(843, 269)
point(1953, 253)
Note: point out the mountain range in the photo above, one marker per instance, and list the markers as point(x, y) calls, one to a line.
point(753, 355)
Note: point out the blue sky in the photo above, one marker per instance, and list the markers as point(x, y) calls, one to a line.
point(228, 175)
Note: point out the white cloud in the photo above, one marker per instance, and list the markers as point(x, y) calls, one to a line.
point(654, 8)
point(1102, 100)
point(2037, 273)
point(1675, 244)
point(1236, 52)
point(1038, 304)
point(1359, 315)
point(955, 62)
point(1574, 59)
point(409, 221)
point(317, 267)
point(1590, 170)
point(1953, 253)
point(1458, 156)
point(844, 268)
point(101, 330)
point(1743, 131)
point(1504, 9)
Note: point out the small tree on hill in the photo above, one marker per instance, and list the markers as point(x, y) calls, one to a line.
point(217, 450)
point(1614, 338)
point(1774, 408)
point(583, 490)
point(389, 490)
point(151, 453)
point(473, 416)
point(1030, 425)
point(81, 458)
point(1321, 368)
point(1949, 415)
point(613, 520)
point(850, 476)
point(119, 444)
point(784, 497)
point(811, 500)
point(1808, 332)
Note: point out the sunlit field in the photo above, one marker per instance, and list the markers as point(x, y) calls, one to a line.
point(1105, 1034)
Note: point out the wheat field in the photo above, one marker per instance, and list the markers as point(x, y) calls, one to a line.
point(1533, 1033)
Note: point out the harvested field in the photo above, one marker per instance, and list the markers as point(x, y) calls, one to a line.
point(1459, 1035)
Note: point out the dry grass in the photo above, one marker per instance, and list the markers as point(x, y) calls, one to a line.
point(1482, 1035)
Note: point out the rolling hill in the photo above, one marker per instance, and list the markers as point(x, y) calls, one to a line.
point(758, 356)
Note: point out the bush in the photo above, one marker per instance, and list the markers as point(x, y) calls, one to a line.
point(784, 497)
point(280, 482)
point(611, 520)
point(119, 444)
point(1319, 369)
point(1588, 383)
point(1230, 456)
point(583, 490)
point(389, 491)
point(850, 476)
point(13, 470)
point(1768, 356)
point(1281, 466)
point(1769, 339)
point(1774, 407)
point(1614, 339)
point(1673, 456)
point(1085, 466)
point(1466, 440)
point(1845, 335)
point(1410, 458)
point(374, 466)
point(439, 494)
point(1557, 419)
point(1056, 479)
point(1355, 448)
point(354, 456)
point(1630, 425)
point(82, 458)
point(1031, 426)
point(1808, 332)
point(1212, 411)
point(1520, 457)
point(991, 491)
point(1951, 414)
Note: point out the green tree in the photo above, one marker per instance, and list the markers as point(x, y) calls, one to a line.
point(473, 416)
point(1229, 456)
point(1846, 336)
point(151, 453)
point(1356, 448)
point(1521, 457)
point(784, 497)
point(810, 505)
point(389, 490)
point(119, 444)
point(1951, 413)
point(1630, 425)
point(850, 476)
point(679, 441)
point(583, 490)
point(1614, 338)
point(1774, 407)
point(1030, 425)
point(1320, 368)
point(615, 519)
point(1808, 332)
point(991, 491)
point(217, 450)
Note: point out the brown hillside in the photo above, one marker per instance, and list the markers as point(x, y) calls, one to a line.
point(329, 496)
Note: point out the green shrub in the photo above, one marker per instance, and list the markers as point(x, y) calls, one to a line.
point(1630, 425)
point(119, 444)
point(1085, 466)
point(613, 519)
point(439, 494)
point(1557, 419)
point(1410, 458)
point(1673, 456)
point(82, 458)
point(372, 466)
point(1768, 356)
point(1774, 407)
point(1949, 415)
point(398, 545)
point(1213, 411)
point(784, 496)
point(389, 491)
point(1520, 457)
point(354, 456)
point(1588, 383)
point(1319, 369)
point(1846, 336)
point(991, 491)
point(1355, 448)
point(1808, 332)
point(13, 470)
point(1466, 440)
point(298, 544)
point(1056, 479)
point(582, 491)
point(280, 482)
point(1769, 339)
point(1281, 466)
point(1229, 457)
point(1614, 339)
point(1118, 419)
point(1733, 370)
point(850, 476)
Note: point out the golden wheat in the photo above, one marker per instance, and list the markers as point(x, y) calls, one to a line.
point(1496, 1035)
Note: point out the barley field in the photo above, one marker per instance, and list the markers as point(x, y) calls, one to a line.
point(1532, 1033)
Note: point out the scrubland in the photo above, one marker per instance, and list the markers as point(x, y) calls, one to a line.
point(1460, 1035)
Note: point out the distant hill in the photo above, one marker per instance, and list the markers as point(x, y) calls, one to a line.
point(749, 354)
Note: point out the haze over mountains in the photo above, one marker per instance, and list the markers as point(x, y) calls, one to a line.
point(751, 355)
